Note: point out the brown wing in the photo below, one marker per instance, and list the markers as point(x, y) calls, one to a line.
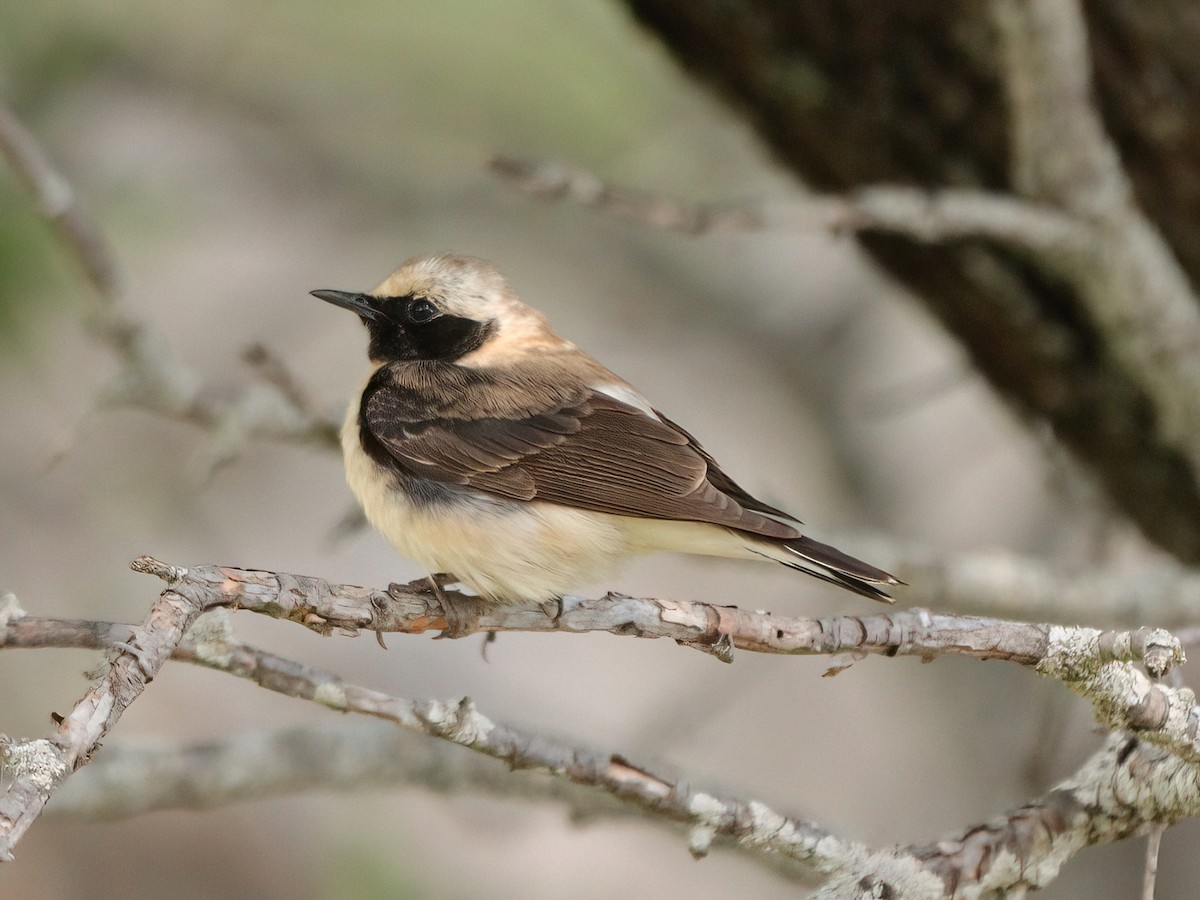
point(727, 485)
point(585, 450)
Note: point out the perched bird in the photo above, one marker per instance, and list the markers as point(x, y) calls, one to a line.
point(483, 444)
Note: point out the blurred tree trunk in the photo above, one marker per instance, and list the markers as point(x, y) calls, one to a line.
point(850, 93)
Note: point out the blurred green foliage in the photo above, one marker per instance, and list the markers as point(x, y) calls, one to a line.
point(31, 264)
point(359, 874)
point(39, 64)
point(406, 95)
point(522, 71)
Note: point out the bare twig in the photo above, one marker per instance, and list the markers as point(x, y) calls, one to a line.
point(749, 823)
point(152, 377)
point(56, 200)
point(926, 216)
point(38, 767)
point(1073, 654)
point(1011, 585)
point(1153, 844)
point(130, 780)
point(1094, 664)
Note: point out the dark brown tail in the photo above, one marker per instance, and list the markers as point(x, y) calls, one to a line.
point(832, 565)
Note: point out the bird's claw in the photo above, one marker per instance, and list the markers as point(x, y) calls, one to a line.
point(462, 615)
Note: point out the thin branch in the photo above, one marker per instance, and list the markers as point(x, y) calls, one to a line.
point(1097, 665)
point(749, 823)
point(130, 780)
point(1128, 787)
point(1125, 788)
point(926, 216)
point(38, 767)
point(56, 200)
point(1068, 653)
point(1150, 876)
point(152, 377)
point(1010, 585)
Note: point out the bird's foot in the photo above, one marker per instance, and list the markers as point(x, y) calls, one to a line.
point(439, 580)
point(553, 608)
point(461, 612)
point(489, 638)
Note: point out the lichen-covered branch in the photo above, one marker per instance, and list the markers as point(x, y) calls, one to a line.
point(37, 767)
point(1129, 786)
point(1126, 788)
point(750, 824)
point(1023, 848)
point(1124, 697)
point(718, 630)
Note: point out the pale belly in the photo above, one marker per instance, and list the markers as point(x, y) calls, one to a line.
point(518, 552)
point(506, 551)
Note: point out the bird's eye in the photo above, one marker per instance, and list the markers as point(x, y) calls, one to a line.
point(421, 311)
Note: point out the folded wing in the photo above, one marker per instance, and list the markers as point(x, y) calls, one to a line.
point(586, 450)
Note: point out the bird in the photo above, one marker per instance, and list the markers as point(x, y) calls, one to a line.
point(492, 451)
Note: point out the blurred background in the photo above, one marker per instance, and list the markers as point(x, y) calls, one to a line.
point(239, 156)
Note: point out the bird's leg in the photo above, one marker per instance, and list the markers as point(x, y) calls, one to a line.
point(439, 580)
point(553, 608)
point(462, 613)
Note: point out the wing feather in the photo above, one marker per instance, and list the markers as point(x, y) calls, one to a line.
point(582, 448)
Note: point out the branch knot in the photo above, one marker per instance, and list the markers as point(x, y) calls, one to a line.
point(148, 565)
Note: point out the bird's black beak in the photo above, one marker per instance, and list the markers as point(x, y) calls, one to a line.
point(363, 304)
